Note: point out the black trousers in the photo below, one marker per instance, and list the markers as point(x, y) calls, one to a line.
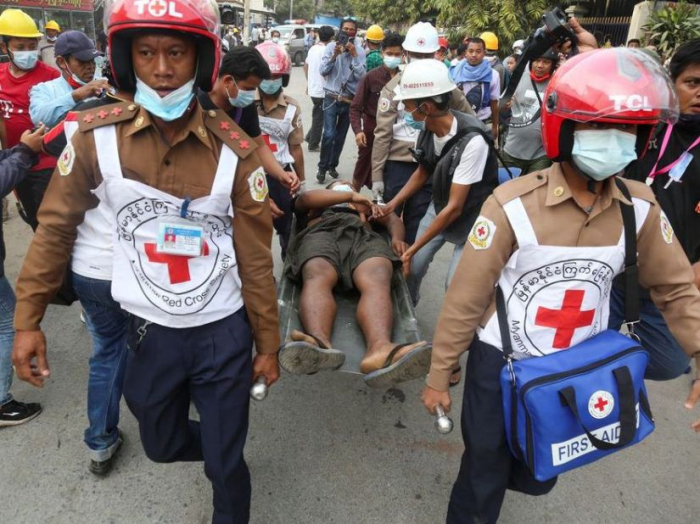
point(30, 193)
point(283, 200)
point(313, 137)
point(210, 365)
point(396, 174)
point(488, 467)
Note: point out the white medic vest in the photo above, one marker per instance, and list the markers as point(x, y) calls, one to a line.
point(276, 134)
point(556, 297)
point(93, 249)
point(170, 290)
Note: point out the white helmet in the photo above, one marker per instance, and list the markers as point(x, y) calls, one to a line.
point(423, 79)
point(421, 38)
point(518, 46)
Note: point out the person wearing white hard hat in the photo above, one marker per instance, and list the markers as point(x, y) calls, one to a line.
point(453, 151)
point(392, 163)
point(518, 47)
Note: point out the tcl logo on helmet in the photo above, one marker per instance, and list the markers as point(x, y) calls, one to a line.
point(631, 102)
point(157, 8)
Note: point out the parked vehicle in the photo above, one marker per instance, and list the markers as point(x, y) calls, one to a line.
point(292, 38)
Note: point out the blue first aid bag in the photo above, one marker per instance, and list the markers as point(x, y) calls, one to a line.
point(571, 408)
point(574, 407)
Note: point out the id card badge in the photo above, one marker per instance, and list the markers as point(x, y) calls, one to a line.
point(679, 169)
point(179, 237)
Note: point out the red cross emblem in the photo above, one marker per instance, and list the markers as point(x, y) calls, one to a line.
point(272, 146)
point(178, 266)
point(244, 144)
point(117, 111)
point(89, 118)
point(420, 42)
point(103, 114)
point(234, 135)
point(224, 126)
point(157, 7)
point(567, 319)
point(600, 405)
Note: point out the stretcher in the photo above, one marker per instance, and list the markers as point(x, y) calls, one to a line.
point(347, 336)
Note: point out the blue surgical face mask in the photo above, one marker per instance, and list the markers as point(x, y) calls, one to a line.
point(25, 60)
point(270, 87)
point(275, 40)
point(392, 62)
point(411, 122)
point(170, 107)
point(244, 98)
point(602, 153)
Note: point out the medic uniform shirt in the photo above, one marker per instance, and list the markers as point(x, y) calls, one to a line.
point(681, 200)
point(557, 220)
point(14, 104)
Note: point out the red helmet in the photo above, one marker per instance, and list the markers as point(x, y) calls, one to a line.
point(616, 85)
point(198, 18)
point(277, 58)
point(443, 42)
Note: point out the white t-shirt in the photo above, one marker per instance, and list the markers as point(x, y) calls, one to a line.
point(471, 166)
point(494, 93)
point(315, 80)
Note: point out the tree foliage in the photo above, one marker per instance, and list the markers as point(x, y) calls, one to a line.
point(673, 25)
point(305, 9)
point(386, 12)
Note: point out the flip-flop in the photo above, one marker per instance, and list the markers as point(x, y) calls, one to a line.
point(303, 358)
point(414, 364)
point(456, 371)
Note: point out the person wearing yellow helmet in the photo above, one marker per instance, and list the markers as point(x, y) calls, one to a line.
point(491, 41)
point(373, 41)
point(20, 40)
point(47, 42)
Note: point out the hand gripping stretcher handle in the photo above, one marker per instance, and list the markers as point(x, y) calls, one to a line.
point(259, 390)
point(443, 423)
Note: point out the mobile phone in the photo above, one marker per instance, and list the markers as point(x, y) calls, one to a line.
point(343, 38)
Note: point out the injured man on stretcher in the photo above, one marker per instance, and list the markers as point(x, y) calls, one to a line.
point(337, 249)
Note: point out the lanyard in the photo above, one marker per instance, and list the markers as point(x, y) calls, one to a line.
point(664, 143)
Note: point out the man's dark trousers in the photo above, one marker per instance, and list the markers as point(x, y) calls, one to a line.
point(336, 121)
point(396, 174)
point(313, 137)
point(210, 365)
point(488, 468)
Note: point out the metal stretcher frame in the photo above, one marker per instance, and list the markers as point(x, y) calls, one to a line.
point(347, 335)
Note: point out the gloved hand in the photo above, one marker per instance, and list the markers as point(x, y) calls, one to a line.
point(378, 191)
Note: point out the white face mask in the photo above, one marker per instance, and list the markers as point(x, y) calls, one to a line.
point(603, 153)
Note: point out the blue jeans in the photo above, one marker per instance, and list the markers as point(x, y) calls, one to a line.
point(421, 260)
point(336, 121)
point(7, 336)
point(667, 360)
point(106, 323)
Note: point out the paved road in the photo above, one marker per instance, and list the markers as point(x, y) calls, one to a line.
point(322, 449)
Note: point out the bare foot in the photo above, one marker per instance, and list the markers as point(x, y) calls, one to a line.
point(377, 358)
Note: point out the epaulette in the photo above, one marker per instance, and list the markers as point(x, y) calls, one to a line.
point(519, 186)
point(106, 115)
point(230, 133)
point(640, 190)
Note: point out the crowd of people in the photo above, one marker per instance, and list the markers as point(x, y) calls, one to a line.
point(157, 161)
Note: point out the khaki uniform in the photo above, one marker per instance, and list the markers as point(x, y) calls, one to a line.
point(385, 147)
point(558, 220)
point(277, 111)
point(184, 168)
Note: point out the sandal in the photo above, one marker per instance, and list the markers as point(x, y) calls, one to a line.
point(412, 365)
point(456, 371)
point(300, 357)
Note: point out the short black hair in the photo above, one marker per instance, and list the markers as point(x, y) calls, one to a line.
point(477, 40)
point(461, 48)
point(325, 33)
point(634, 41)
point(392, 40)
point(241, 62)
point(686, 55)
point(275, 31)
point(348, 19)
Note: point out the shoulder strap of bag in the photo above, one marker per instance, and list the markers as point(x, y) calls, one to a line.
point(631, 277)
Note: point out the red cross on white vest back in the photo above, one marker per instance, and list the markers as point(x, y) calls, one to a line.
point(273, 147)
point(567, 319)
point(178, 265)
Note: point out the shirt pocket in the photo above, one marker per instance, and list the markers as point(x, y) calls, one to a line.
point(195, 192)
